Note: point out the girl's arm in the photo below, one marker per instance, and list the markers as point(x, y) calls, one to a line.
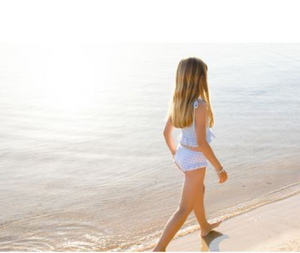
point(168, 136)
point(200, 128)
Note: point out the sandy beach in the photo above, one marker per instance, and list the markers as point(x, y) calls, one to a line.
point(273, 227)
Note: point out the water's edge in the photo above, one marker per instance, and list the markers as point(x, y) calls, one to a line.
point(231, 212)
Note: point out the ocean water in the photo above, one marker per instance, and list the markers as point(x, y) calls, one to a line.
point(83, 162)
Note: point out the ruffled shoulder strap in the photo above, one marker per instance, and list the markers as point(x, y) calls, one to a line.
point(196, 104)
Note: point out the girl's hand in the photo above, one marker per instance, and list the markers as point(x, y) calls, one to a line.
point(173, 152)
point(222, 174)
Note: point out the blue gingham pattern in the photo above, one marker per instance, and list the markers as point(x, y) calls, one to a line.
point(187, 135)
point(187, 159)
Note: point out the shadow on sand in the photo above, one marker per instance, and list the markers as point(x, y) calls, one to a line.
point(212, 241)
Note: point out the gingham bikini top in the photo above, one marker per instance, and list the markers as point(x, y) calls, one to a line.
point(187, 135)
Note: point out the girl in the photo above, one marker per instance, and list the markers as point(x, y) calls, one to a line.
point(190, 110)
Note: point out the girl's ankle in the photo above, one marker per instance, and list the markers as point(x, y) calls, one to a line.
point(206, 225)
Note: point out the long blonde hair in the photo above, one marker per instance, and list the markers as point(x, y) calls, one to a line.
point(191, 83)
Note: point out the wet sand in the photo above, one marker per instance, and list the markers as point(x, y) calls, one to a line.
point(273, 227)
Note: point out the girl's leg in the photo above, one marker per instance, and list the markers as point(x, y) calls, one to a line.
point(193, 182)
point(199, 209)
point(199, 212)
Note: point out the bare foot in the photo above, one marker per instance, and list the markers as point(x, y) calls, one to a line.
point(205, 230)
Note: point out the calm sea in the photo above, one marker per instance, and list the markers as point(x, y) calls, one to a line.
point(83, 162)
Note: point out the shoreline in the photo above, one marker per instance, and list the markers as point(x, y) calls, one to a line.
point(272, 227)
point(265, 200)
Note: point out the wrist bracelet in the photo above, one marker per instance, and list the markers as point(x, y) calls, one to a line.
point(220, 171)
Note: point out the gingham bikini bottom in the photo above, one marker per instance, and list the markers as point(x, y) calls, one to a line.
point(187, 159)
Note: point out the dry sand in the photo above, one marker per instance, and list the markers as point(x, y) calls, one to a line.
point(273, 227)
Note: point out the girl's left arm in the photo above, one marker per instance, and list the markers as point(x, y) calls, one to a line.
point(168, 136)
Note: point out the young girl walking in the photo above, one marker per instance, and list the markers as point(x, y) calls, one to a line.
point(191, 111)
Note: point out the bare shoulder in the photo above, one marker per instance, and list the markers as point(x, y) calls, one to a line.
point(201, 101)
point(201, 112)
point(202, 106)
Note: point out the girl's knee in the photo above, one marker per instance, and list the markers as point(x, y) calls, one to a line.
point(184, 211)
